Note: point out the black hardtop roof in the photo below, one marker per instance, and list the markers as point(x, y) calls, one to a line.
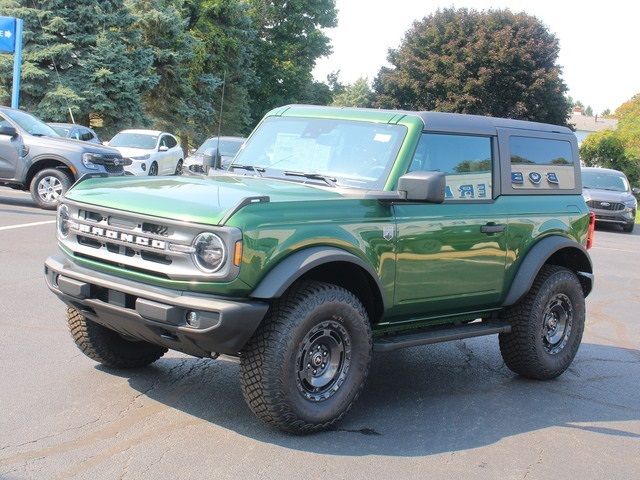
point(456, 122)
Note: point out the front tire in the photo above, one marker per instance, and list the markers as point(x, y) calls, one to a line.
point(48, 185)
point(307, 362)
point(108, 347)
point(179, 168)
point(628, 228)
point(546, 325)
point(153, 169)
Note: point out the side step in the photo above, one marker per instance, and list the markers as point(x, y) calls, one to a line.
point(445, 333)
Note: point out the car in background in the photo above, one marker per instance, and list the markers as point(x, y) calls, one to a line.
point(212, 154)
point(77, 132)
point(34, 157)
point(151, 152)
point(610, 197)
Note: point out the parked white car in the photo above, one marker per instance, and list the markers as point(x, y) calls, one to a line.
point(152, 152)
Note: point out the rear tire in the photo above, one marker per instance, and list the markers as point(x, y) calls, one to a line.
point(307, 362)
point(546, 325)
point(48, 185)
point(108, 347)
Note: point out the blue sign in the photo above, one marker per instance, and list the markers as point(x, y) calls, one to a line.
point(7, 34)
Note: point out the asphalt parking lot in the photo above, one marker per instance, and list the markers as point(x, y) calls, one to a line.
point(446, 411)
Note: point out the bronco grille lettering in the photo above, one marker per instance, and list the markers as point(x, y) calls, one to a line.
point(121, 236)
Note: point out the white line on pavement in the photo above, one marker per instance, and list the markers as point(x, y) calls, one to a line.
point(22, 225)
point(616, 249)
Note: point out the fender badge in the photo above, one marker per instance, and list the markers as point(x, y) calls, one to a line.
point(388, 232)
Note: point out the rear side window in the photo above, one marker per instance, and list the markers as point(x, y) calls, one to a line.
point(541, 163)
point(466, 161)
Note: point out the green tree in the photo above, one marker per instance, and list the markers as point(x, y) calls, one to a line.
point(606, 113)
point(226, 45)
point(492, 62)
point(606, 149)
point(289, 41)
point(69, 61)
point(181, 100)
point(588, 111)
point(357, 94)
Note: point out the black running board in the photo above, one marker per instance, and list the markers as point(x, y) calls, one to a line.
point(445, 333)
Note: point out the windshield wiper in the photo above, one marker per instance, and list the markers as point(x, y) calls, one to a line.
point(251, 168)
point(314, 176)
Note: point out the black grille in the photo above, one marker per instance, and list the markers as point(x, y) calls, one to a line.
point(113, 168)
point(601, 205)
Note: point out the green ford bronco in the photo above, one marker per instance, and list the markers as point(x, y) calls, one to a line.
point(335, 233)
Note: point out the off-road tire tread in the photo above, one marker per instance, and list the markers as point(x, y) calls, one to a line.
point(260, 389)
point(97, 342)
point(517, 348)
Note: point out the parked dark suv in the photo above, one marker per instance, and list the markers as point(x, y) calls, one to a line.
point(34, 157)
point(609, 196)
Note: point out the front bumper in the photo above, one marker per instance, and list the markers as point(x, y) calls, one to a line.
point(139, 168)
point(153, 314)
point(622, 217)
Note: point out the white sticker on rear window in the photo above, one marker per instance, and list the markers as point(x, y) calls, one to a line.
point(382, 137)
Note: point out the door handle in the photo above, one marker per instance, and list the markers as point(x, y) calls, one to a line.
point(491, 227)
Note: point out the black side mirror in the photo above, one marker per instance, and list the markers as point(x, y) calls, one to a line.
point(8, 130)
point(423, 186)
point(636, 190)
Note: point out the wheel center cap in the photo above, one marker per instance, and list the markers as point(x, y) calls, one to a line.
point(317, 359)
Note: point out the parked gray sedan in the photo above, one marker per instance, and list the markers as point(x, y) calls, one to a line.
point(609, 196)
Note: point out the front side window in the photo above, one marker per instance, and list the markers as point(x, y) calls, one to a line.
point(86, 135)
point(170, 142)
point(541, 163)
point(357, 154)
point(465, 160)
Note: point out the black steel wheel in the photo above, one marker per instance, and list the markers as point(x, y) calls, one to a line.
point(323, 361)
point(307, 362)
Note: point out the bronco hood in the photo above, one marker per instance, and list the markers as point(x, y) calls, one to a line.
point(203, 200)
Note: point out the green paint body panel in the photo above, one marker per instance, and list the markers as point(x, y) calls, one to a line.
point(438, 265)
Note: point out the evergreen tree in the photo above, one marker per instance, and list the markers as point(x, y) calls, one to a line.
point(490, 63)
point(66, 48)
point(226, 39)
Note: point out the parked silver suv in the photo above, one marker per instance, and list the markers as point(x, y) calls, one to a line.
point(34, 157)
point(609, 196)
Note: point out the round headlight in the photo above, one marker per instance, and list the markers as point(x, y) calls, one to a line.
point(64, 220)
point(209, 252)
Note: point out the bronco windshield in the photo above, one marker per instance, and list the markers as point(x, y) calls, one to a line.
point(616, 182)
point(350, 153)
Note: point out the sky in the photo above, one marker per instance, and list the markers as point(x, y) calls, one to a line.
point(599, 41)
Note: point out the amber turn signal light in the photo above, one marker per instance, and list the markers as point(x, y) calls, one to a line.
point(237, 253)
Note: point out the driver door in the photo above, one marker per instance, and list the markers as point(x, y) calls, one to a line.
point(451, 257)
point(9, 156)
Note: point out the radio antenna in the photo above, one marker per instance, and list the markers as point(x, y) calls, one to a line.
point(218, 155)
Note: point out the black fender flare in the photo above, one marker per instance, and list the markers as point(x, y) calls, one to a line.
point(47, 157)
point(538, 256)
point(293, 267)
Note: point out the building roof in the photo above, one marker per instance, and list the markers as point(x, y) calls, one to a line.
point(592, 124)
